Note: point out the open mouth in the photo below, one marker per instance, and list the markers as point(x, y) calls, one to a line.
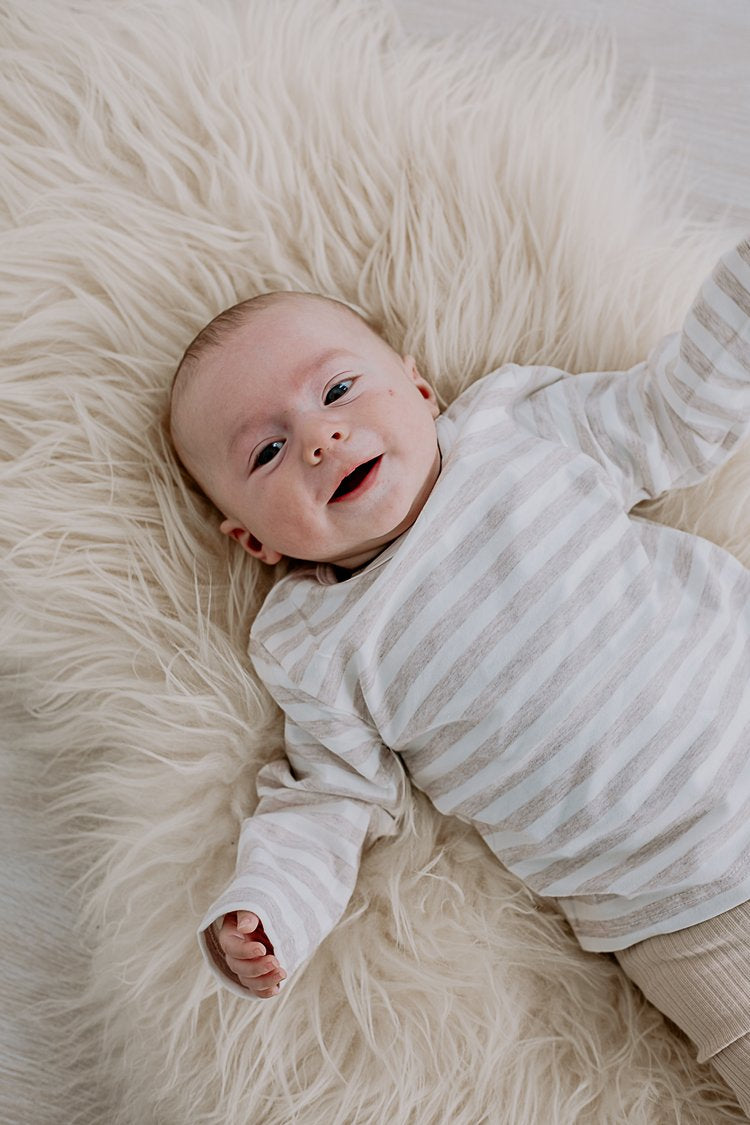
point(354, 479)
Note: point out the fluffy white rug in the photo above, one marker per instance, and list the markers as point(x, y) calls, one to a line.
point(487, 202)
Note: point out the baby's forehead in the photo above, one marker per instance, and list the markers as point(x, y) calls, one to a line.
point(308, 327)
point(308, 309)
point(308, 324)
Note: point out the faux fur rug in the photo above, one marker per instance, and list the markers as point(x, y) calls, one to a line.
point(487, 201)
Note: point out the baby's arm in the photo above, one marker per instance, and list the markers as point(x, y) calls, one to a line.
point(249, 954)
point(299, 853)
point(672, 420)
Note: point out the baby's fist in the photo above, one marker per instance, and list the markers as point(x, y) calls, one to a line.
point(249, 953)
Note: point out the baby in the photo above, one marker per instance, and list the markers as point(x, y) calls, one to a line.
point(468, 600)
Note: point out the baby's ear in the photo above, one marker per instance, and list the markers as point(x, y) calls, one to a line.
point(424, 388)
point(249, 543)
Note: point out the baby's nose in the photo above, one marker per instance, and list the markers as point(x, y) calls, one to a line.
point(318, 442)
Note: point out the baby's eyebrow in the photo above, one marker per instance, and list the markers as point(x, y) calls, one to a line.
point(310, 366)
point(240, 433)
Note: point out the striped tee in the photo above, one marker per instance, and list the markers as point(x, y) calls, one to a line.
point(568, 678)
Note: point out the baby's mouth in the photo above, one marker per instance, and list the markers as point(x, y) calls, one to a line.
point(353, 480)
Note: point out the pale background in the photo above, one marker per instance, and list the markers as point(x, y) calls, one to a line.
point(697, 51)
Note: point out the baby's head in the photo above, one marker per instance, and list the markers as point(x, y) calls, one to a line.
point(311, 435)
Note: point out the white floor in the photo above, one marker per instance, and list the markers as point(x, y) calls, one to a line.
point(698, 52)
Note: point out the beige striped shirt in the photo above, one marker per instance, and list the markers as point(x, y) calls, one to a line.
point(570, 679)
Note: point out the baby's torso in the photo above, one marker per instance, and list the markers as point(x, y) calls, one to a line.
point(569, 679)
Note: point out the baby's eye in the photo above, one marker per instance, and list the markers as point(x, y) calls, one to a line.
point(337, 391)
point(268, 452)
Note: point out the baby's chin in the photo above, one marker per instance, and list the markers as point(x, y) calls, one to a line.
point(359, 558)
point(354, 555)
point(357, 555)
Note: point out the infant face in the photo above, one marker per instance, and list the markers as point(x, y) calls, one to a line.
point(314, 438)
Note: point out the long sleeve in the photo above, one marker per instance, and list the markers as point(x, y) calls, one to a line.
point(337, 791)
point(670, 421)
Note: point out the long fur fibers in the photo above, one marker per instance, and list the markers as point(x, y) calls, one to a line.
point(484, 200)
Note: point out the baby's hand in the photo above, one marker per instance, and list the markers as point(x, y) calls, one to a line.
point(245, 953)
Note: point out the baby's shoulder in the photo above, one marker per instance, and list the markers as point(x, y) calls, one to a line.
point(497, 389)
point(284, 594)
point(287, 607)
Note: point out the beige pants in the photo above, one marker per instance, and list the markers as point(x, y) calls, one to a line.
point(700, 979)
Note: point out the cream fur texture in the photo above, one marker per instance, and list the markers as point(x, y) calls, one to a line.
point(486, 200)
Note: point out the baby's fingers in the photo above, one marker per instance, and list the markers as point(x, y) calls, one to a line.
point(252, 967)
point(247, 923)
point(274, 991)
point(260, 990)
point(239, 943)
point(235, 945)
point(261, 984)
point(248, 957)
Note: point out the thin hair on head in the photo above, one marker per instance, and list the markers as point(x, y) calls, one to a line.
point(217, 330)
point(214, 333)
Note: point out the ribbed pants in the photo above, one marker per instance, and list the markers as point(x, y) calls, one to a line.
point(700, 979)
